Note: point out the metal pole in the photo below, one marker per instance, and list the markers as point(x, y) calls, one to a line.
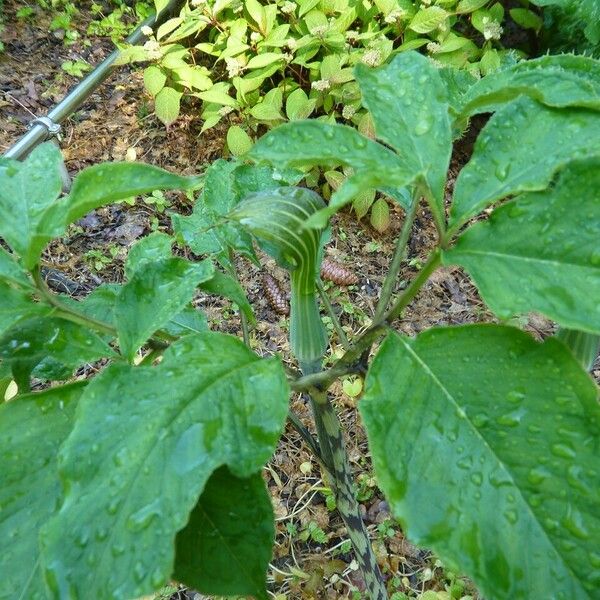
point(46, 127)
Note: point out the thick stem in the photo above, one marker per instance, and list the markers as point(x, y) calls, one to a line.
point(334, 318)
point(399, 253)
point(334, 451)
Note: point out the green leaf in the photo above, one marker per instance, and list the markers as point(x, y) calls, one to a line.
point(224, 285)
point(485, 444)
point(110, 182)
point(226, 546)
point(407, 101)
point(167, 105)
point(563, 80)
point(468, 6)
point(145, 443)
point(428, 19)
point(11, 272)
point(298, 105)
point(312, 143)
point(238, 141)
point(17, 305)
point(32, 428)
point(30, 341)
point(156, 292)
point(154, 80)
point(520, 149)
point(189, 320)
point(152, 248)
point(27, 190)
point(540, 252)
point(584, 346)
point(380, 215)
point(526, 18)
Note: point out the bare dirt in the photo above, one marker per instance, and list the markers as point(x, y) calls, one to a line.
point(118, 119)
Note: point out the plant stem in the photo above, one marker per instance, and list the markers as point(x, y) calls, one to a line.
point(243, 320)
point(350, 361)
point(334, 451)
point(335, 458)
point(399, 253)
point(334, 318)
point(415, 285)
point(308, 438)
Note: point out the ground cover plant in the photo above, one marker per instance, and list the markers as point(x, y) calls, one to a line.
point(484, 440)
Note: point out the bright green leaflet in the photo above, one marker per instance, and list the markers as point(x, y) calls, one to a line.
point(145, 443)
point(313, 143)
point(32, 428)
point(277, 218)
point(151, 248)
point(408, 103)
point(541, 252)
point(559, 81)
point(486, 445)
point(519, 150)
point(156, 292)
point(27, 190)
point(226, 546)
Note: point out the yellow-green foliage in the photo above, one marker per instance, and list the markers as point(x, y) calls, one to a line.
point(267, 62)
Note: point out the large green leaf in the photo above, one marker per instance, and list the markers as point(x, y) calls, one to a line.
point(408, 104)
point(563, 80)
point(156, 292)
point(486, 444)
point(145, 443)
point(313, 143)
point(519, 150)
point(541, 252)
point(101, 184)
point(32, 428)
point(27, 190)
point(226, 546)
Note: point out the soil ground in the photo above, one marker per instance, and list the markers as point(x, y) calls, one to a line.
point(116, 121)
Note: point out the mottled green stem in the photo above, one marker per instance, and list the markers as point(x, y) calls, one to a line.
point(335, 457)
point(399, 254)
point(334, 452)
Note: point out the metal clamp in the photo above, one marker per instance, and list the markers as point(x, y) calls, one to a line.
point(53, 128)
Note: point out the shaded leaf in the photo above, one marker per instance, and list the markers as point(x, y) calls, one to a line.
point(520, 149)
point(540, 252)
point(140, 430)
point(226, 546)
point(32, 428)
point(156, 292)
point(407, 101)
point(27, 190)
point(151, 248)
point(486, 445)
